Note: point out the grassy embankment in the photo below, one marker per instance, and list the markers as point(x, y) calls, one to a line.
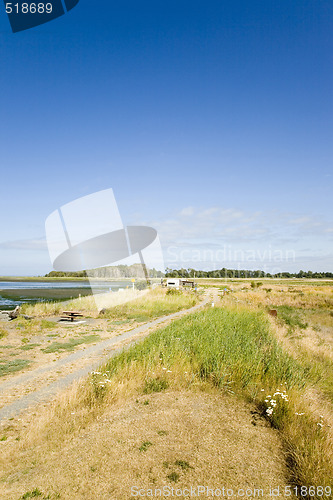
point(231, 350)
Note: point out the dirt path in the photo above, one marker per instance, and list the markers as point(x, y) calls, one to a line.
point(23, 391)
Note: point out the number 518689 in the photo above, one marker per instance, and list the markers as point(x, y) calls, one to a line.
point(26, 8)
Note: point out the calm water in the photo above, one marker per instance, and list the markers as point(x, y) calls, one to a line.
point(13, 293)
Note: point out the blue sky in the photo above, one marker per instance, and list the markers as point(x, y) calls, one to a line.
point(211, 121)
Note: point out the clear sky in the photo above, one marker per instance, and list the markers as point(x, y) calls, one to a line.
point(211, 121)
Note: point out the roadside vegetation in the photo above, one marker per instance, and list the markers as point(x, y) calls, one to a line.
point(146, 304)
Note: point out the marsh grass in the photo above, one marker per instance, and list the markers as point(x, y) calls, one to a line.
point(118, 306)
point(156, 303)
point(42, 309)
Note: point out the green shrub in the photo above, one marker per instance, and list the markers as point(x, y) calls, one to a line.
point(3, 333)
point(155, 385)
point(141, 285)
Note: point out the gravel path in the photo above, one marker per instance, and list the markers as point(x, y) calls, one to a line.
point(91, 357)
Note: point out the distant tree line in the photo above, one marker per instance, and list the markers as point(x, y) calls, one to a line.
point(121, 271)
point(136, 270)
point(237, 273)
point(62, 274)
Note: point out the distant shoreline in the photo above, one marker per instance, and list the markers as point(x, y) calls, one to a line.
point(50, 280)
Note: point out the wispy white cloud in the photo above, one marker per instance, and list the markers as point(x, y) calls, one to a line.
point(198, 231)
point(239, 226)
point(28, 244)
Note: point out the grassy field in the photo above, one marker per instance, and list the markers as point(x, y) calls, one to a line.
point(227, 363)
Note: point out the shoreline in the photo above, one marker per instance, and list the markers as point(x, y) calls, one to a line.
point(63, 278)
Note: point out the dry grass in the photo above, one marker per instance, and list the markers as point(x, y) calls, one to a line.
point(89, 305)
point(157, 302)
point(176, 440)
point(303, 296)
point(149, 303)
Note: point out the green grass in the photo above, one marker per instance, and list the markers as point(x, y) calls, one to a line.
point(12, 366)
point(71, 344)
point(230, 349)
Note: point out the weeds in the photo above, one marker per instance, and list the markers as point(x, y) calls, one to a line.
point(173, 476)
point(155, 385)
point(69, 346)
point(183, 464)
point(12, 366)
point(36, 493)
point(27, 347)
point(145, 446)
point(291, 317)
point(3, 333)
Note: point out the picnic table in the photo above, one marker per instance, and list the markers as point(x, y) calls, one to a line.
point(71, 315)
